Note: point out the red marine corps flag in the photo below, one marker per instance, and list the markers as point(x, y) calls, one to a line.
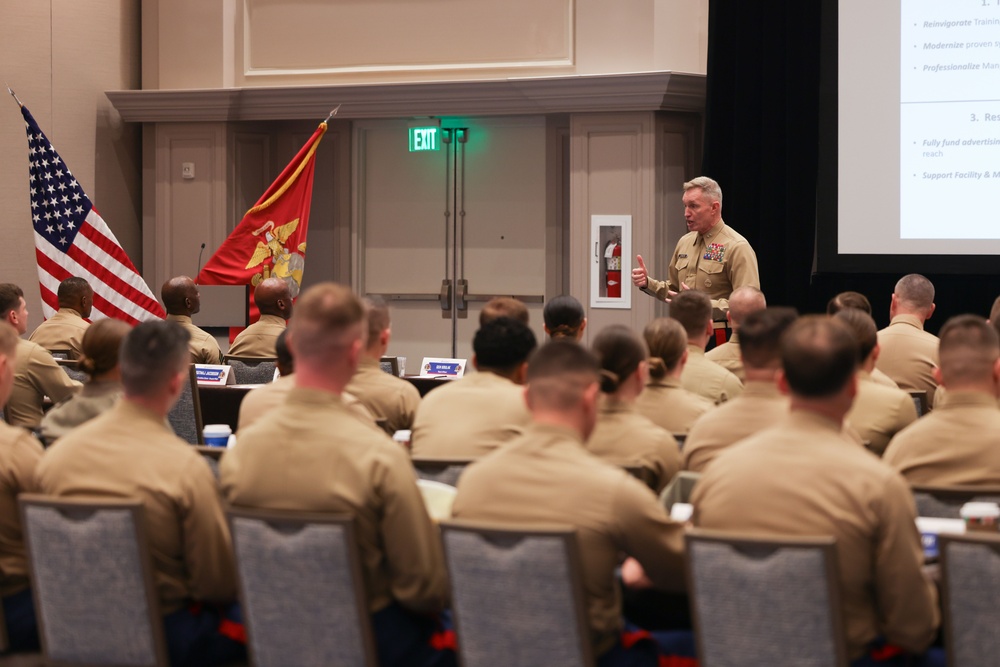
point(270, 241)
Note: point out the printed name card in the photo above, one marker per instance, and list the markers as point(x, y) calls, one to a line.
point(214, 375)
point(434, 367)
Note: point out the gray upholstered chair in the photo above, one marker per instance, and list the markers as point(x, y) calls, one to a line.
point(446, 471)
point(679, 489)
point(185, 417)
point(92, 579)
point(517, 595)
point(946, 502)
point(301, 588)
point(790, 585)
point(919, 397)
point(970, 587)
point(72, 369)
point(252, 371)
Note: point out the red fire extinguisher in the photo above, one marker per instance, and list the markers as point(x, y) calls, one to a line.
point(613, 260)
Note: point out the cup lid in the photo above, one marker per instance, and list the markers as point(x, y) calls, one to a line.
point(980, 510)
point(217, 429)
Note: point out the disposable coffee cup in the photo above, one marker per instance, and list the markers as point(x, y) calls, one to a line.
point(217, 435)
point(981, 516)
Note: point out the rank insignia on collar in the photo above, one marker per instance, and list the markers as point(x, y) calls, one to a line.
point(715, 252)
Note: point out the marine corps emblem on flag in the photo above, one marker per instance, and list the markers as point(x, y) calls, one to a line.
point(284, 263)
point(716, 252)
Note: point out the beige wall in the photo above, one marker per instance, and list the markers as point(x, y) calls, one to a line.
point(60, 56)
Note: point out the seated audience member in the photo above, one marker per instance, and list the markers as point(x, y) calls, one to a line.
point(391, 400)
point(848, 300)
point(878, 412)
point(743, 301)
point(64, 330)
point(19, 454)
point(131, 452)
point(622, 435)
point(274, 302)
point(335, 463)
point(693, 309)
point(260, 400)
point(908, 353)
point(101, 344)
point(564, 318)
point(804, 476)
point(474, 415)
point(956, 444)
point(546, 477)
point(664, 401)
point(760, 405)
point(37, 374)
point(181, 300)
point(504, 306)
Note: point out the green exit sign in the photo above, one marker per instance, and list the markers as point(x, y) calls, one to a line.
point(425, 139)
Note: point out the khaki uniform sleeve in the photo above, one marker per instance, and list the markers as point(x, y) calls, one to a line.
point(25, 455)
point(666, 462)
point(49, 378)
point(907, 600)
point(657, 288)
point(644, 531)
point(208, 553)
point(731, 388)
point(413, 553)
point(409, 398)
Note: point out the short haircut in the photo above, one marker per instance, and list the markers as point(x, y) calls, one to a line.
point(503, 344)
point(819, 356)
point(693, 309)
point(559, 373)
point(8, 343)
point(743, 301)
point(377, 313)
point(326, 318)
point(101, 345)
point(563, 316)
point(760, 336)
point(503, 306)
point(281, 351)
point(968, 349)
point(619, 352)
point(71, 290)
point(848, 300)
point(995, 314)
point(708, 187)
point(915, 291)
point(667, 342)
point(863, 327)
point(152, 353)
point(10, 298)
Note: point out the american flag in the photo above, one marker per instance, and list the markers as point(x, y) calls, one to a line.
point(71, 239)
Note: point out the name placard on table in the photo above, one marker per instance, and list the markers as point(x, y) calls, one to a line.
point(437, 367)
point(214, 375)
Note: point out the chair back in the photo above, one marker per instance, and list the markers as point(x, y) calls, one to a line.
point(390, 365)
point(185, 417)
point(92, 579)
point(970, 586)
point(72, 369)
point(61, 353)
point(446, 471)
point(679, 489)
point(919, 397)
point(794, 579)
point(301, 589)
point(945, 502)
point(517, 595)
point(252, 371)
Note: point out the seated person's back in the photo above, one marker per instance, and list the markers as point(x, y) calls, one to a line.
point(664, 401)
point(65, 328)
point(274, 302)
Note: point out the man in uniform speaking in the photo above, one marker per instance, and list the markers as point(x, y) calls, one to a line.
point(711, 257)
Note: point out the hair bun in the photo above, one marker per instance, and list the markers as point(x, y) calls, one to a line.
point(609, 381)
point(657, 368)
point(87, 365)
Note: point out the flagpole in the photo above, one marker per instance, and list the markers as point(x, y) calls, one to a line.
point(21, 105)
point(332, 113)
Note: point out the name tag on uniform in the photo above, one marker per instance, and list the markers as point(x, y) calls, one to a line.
point(682, 255)
point(214, 375)
point(437, 367)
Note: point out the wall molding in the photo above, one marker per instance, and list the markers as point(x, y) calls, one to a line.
point(645, 91)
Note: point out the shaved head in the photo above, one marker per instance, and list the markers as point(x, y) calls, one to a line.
point(180, 296)
point(743, 301)
point(558, 375)
point(273, 297)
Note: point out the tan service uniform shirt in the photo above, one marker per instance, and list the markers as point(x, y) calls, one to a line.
point(316, 456)
point(204, 348)
point(716, 263)
point(954, 445)
point(546, 477)
point(469, 417)
point(257, 340)
point(708, 379)
point(386, 396)
point(130, 452)
point(881, 378)
point(670, 406)
point(37, 375)
point(804, 477)
point(94, 399)
point(728, 356)
point(19, 454)
point(760, 406)
point(64, 330)
point(624, 437)
point(879, 412)
point(258, 402)
point(909, 354)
